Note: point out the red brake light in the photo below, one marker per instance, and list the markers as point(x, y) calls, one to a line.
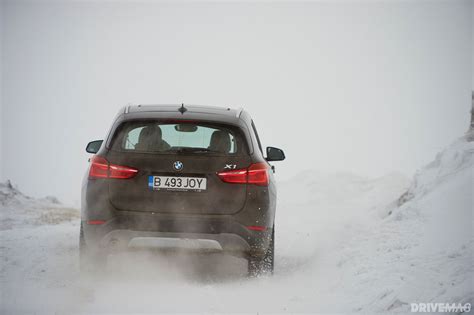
point(257, 228)
point(256, 174)
point(101, 168)
point(234, 177)
point(117, 171)
point(95, 222)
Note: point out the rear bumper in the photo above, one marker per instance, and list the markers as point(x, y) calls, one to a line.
point(232, 236)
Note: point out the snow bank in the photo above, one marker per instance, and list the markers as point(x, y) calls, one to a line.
point(19, 210)
point(423, 252)
point(458, 157)
point(438, 209)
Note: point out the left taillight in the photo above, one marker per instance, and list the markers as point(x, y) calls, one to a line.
point(101, 168)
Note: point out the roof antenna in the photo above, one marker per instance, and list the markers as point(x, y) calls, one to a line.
point(182, 109)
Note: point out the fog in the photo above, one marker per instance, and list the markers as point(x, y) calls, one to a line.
point(365, 87)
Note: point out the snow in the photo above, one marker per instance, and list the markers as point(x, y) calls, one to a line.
point(345, 243)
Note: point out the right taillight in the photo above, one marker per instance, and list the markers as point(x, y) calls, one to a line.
point(101, 168)
point(256, 174)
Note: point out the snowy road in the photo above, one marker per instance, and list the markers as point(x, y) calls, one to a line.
point(336, 251)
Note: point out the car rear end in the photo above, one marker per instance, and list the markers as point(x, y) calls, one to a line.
point(202, 179)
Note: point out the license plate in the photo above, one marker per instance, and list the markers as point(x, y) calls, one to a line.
point(177, 183)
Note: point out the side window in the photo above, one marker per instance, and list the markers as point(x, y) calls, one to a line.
point(131, 138)
point(256, 136)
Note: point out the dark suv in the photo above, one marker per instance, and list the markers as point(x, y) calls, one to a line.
point(180, 172)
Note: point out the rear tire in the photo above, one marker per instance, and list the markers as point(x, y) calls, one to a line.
point(90, 261)
point(263, 265)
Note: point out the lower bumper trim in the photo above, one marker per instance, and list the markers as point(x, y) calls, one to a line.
point(124, 238)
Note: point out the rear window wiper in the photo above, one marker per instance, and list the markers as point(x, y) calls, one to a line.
point(194, 150)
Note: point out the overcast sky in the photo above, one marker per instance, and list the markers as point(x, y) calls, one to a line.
point(365, 87)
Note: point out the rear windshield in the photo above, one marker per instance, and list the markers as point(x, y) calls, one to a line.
point(177, 137)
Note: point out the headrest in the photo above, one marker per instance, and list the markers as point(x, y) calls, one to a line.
point(149, 138)
point(220, 141)
point(150, 133)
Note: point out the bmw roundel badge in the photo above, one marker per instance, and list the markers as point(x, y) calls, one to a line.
point(178, 165)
